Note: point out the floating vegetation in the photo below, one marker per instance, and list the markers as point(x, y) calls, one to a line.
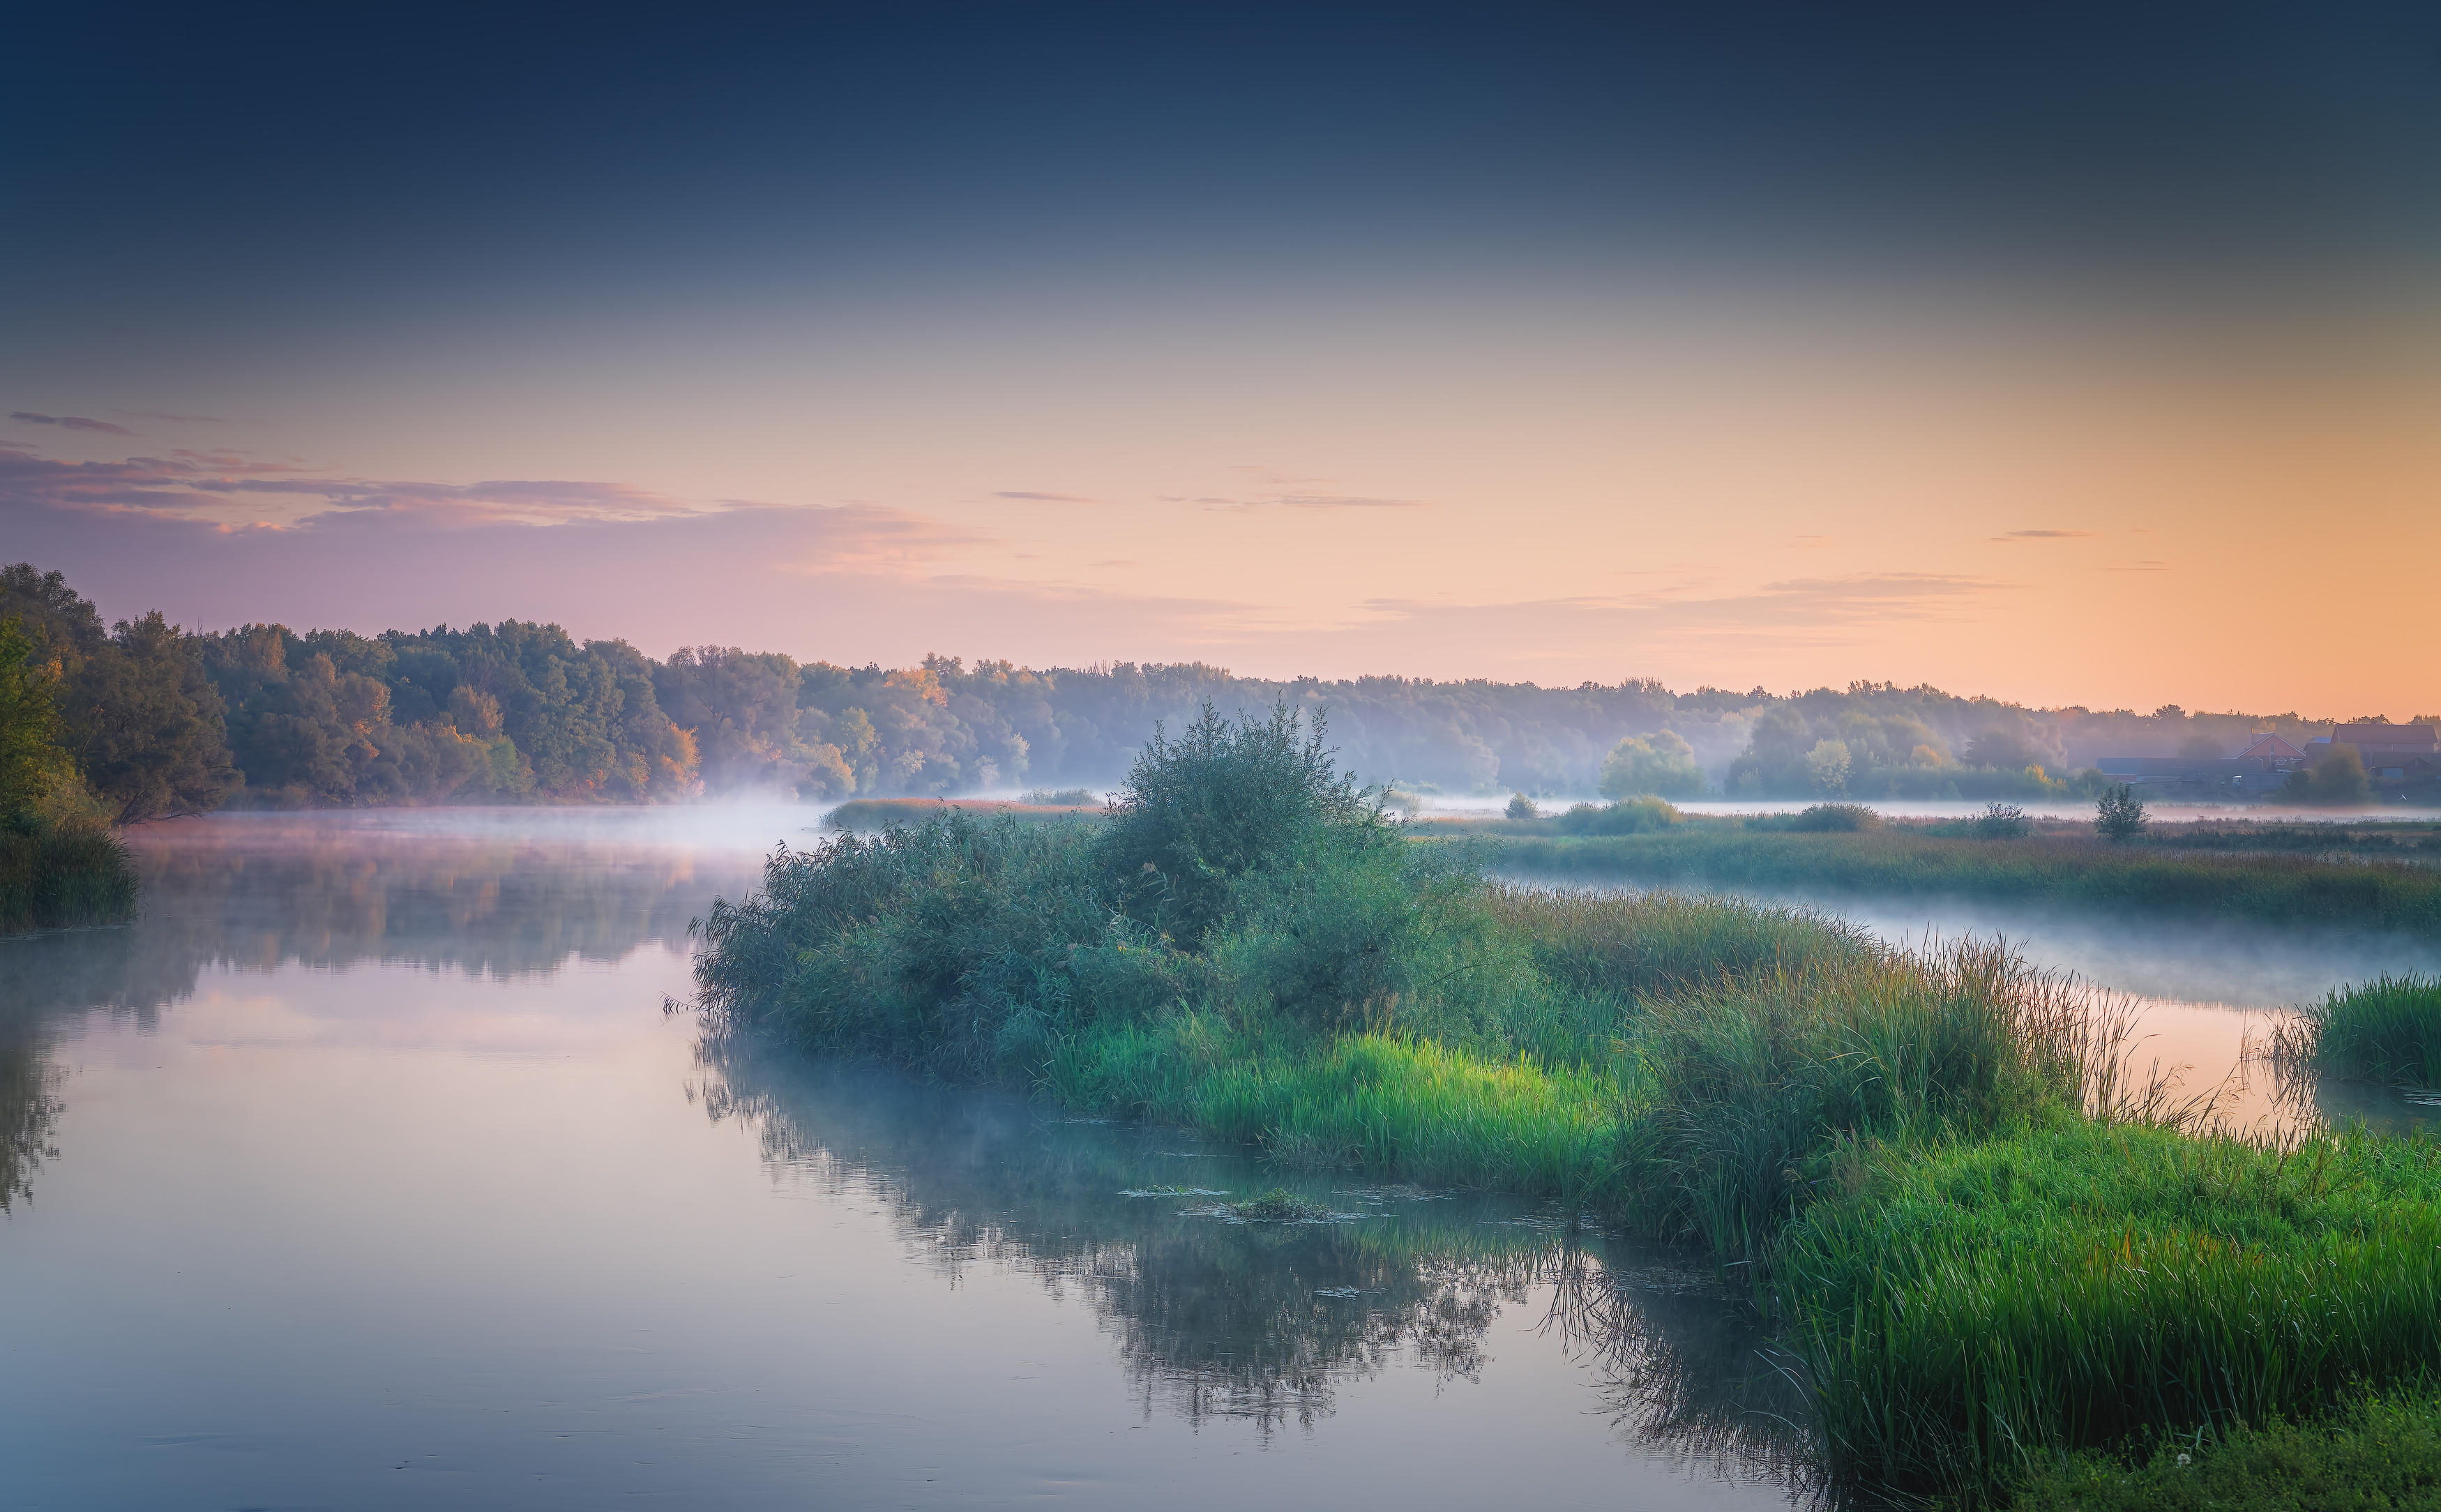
point(1171, 1191)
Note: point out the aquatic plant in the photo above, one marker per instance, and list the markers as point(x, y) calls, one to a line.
point(2386, 1031)
point(63, 876)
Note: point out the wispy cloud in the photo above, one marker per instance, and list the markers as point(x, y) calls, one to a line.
point(2048, 535)
point(176, 420)
point(1044, 498)
point(69, 422)
point(2150, 566)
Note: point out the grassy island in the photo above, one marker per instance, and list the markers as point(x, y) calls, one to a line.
point(1992, 1254)
point(2225, 875)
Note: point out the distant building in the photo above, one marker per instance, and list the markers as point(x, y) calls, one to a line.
point(2270, 747)
point(2394, 752)
point(2198, 777)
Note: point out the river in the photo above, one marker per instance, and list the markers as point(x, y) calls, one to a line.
point(368, 1170)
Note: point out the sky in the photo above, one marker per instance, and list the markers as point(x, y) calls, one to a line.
point(2067, 353)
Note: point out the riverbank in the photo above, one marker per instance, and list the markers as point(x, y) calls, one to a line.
point(1863, 1140)
point(2077, 871)
point(64, 877)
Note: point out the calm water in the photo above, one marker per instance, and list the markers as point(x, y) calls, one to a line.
point(368, 1171)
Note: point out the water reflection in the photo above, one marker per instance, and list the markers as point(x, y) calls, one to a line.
point(1268, 1321)
point(255, 893)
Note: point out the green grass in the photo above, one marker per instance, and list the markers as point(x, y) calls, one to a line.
point(65, 877)
point(1992, 1252)
point(2386, 1031)
point(2376, 1450)
point(1970, 1307)
point(2036, 869)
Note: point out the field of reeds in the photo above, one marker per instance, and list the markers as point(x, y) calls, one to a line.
point(1989, 1247)
point(2052, 869)
point(2386, 1031)
point(62, 877)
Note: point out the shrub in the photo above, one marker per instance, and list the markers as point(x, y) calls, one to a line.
point(2001, 822)
point(1521, 807)
point(1063, 797)
point(1636, 816)
point(2118, 814)
point(1220, 801)
point(1834, 817)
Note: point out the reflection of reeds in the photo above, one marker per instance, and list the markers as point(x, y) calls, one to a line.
point(1688, 1372)
point(29, 1107)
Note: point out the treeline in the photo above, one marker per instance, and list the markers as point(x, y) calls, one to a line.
point(160, 721)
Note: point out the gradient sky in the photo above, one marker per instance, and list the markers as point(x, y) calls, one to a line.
point(2067, 353)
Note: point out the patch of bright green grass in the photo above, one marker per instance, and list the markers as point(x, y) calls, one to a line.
point(1970, 1308)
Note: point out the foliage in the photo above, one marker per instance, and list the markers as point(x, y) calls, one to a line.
point(2386, 1031)
point(1820, 819)
point(1219, 802)
point(2001, 822)
point(1064, 796)
point(1634, 815)
point(2118, 814)
point(138, 718)
point(1968, 1307)
point(2378, 1450)
point(2336, 781)
point(1662, 765)
point(33, 766)
point(1521, 807)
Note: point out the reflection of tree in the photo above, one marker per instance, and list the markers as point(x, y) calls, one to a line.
point(1260, 1320)
point(256, 895)
point(29, 1105)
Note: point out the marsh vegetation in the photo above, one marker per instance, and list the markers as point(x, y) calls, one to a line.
point(1986, 1240)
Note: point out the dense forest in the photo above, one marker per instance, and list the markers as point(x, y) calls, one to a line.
point(161, 721)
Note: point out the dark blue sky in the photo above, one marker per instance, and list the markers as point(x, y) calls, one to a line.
point(1720, 342)
point(213, 157)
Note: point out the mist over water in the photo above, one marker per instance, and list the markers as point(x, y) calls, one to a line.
point(368, 1170)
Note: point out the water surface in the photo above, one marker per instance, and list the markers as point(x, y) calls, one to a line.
point(366, 1170)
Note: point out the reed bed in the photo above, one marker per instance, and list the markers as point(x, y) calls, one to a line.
point(2040, 868)
point(2386, 1031)
point(65, 877)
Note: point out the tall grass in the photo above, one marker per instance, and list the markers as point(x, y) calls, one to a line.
point(65, 876)
point(2386, 1031)
point(1970, 1309)
point(2040, 868)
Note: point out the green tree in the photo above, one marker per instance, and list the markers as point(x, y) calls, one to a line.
point(1220, 801)
point(1521, 807)
point(33, 764)
point(2118, 814)
point(1661, 764)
